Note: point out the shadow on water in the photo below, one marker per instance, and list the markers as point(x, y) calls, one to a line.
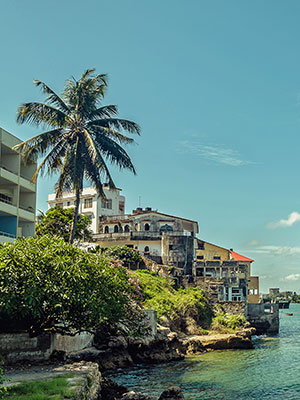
point(269, 371)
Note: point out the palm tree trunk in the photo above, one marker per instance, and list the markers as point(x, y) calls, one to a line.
point(75, 216)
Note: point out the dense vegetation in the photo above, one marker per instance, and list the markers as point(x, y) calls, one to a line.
point(225, 323)
point(57, 221)
point(178, 306)
point(130, 258)
point(49, 285)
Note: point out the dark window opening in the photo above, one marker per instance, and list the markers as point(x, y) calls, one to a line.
point(106, 229)
point(147, 227)
point(116, 229)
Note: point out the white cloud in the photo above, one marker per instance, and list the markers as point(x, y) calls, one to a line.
point(292, 277)
point(216, 153)
point(291, 220)
point(277, 250)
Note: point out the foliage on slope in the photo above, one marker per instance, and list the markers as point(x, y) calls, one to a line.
point(177, 305)
point(225, 322)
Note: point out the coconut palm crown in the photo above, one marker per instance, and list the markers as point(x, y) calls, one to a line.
point(82, 136)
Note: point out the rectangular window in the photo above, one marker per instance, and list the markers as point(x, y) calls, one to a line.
point(217, 258)
point(88, 203)
point(60, 205)
point(200, 257)
point(5, 199)
point(107, 203)
point(121, 206)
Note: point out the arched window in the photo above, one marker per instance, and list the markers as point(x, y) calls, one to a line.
point(136, 227)
point(116, 228)
point(146, 250)
point(126, 228)
point(147, 227)
point(106, 229)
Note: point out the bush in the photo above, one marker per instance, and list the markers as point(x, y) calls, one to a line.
point(180, 304)
point(131, 258)
point(224, 322)
point(49, 285)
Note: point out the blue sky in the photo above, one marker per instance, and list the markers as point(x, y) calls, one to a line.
point(215, 86)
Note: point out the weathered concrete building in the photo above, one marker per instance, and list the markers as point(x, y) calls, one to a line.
point(224, 274)
point(166, 239)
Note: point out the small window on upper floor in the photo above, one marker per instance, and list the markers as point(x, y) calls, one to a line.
point(88, 203)
point(126, 228)
point(68, 203)
point(147, 227)
point(106, 203)
point(217, 258)
point(106, 229)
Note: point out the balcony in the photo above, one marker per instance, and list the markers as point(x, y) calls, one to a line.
point(112, 236)
point(7, 237)
point(8, 175)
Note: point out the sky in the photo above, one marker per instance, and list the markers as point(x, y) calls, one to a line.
point(215, 87)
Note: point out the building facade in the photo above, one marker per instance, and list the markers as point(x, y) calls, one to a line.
point(17, 192)
point(166, 239)
point(91, 204)
point(224, 274)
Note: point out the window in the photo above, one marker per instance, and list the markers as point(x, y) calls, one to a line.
point(121, 206)
point(106, 229)
point(88, 203)
point(106, 203)
point(116, 229)
point(68, 203)
point(5, 199)
point(217, 258)
point(147, 227)
point(200, 257)
point(146, 250)
point(60, 205)
point(200, 245)
point(126, 229)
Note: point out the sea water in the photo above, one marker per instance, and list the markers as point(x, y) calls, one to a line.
point(270, 371)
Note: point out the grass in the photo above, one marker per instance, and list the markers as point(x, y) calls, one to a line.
point(54, 389)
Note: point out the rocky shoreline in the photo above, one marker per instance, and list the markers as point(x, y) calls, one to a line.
point(119, 351)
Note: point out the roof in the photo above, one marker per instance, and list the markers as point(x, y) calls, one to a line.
point(166, 215)
point(239, 257)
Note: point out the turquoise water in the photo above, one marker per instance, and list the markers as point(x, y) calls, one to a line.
point(270, 371)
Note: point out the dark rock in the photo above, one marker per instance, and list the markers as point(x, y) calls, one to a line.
point(137, 396)
point(173, 393)
point(110, 390)
point(58, 355)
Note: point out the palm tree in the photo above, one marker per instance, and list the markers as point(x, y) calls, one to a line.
point(83, 136)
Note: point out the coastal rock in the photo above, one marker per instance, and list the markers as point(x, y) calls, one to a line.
point(173, 393)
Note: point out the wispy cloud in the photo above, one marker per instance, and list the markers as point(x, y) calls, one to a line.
point(216, 153)
point(277, 250)
point(283, 223)
point(292, 277)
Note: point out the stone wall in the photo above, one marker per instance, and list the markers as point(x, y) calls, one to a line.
point(16, 347)
point(234, 307)
point(264, 317)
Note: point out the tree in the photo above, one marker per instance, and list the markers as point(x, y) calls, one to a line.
point(48, 285)
point(58, 221)
point(83, 136)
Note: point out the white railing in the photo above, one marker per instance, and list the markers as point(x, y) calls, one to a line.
point(6, 234)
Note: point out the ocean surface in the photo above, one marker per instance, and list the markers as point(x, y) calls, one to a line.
point(270, 371)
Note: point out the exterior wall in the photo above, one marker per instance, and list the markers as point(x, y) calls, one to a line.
point(17, 192)
point(96, 209)
point(208, 251)
point(253, 289)
point(264, 317)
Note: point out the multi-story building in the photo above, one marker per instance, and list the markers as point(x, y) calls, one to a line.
point(164, 238)
point(224, 274)
point(17, 192)
point(91, 204)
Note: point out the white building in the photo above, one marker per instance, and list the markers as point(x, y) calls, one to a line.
point(91, 204)
point(17, 192)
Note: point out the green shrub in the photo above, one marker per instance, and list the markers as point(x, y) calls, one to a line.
point(131, 258)
point(3, 389)
point(49, 285)
point(159, 294)
point(224, 322)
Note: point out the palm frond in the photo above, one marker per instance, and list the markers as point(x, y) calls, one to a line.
point(104, 112)
point(53, 98)
point(117, 123)
point(112, 134)
point(38, 145)
point(38, 113)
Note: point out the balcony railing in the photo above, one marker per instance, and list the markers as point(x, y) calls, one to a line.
point(29, 208)
point(6, 234)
